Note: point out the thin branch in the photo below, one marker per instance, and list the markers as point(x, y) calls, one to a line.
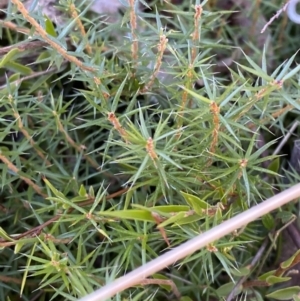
point(43, 34)
point(163, 282)
point(294, 233)
point(254, 261)
point(28, 181)
point(133, 25)
point(286, 138)
point(27, 45)
point(80, 26)
point(34, 75)
point(275, 16)
point(29, 137)
point(196, 32)
point(79, 148)
point(13, 26)
point(37, 230)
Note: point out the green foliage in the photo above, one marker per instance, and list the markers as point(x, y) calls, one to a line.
point(110, 157)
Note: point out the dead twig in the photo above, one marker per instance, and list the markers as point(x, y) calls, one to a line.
point(163, 282)
point(254, 261)
point(34, 75)
point(13, 26)
point(37, 230)
point(278, 13)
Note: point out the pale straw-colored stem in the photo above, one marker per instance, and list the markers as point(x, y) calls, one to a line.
point(193, 245)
